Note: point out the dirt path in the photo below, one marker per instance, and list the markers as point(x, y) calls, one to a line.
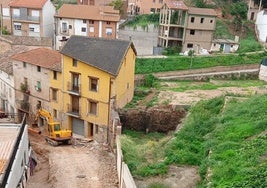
point(84, 165)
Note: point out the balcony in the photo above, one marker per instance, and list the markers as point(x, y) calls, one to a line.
point(74, 89)
point(4, 96)
point(27, 18)
point(73, 110)
point(23, 105)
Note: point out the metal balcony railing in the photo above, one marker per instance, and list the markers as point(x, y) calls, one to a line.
point(74, 88)
point(73, 110)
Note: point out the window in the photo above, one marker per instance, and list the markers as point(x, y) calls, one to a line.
point(83, 29)
point(54, 94)
point(202, 20)
point(108, 22)
point(91, 21)
point(38, 86)
point(6, 12)
point(24, 64)
point(84, 21)
point(70, 26)
point(192, 32)
point(93, 84)
point(152, 10)
point(55, 113)
point(55, 75)
point(189, 45)
point(109, 31)
point(38, 69)
point(17, 26)
point(161, 1)
point(192, 19)
point(154, 1)
point(211, 21)
point(16, 12)
point(92, 107)
point(74, 63)
point(91, 29)
point(64, 27)
point(35, 13)
point(34, 28)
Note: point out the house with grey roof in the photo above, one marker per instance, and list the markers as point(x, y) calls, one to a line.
point(98, 79)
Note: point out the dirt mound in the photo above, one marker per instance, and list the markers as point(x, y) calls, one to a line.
point(155, 119)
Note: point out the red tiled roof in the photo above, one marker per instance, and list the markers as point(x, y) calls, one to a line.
point(106, 13)
point(28, 3)
point(202, 11)
point(42, 57)
point(176, 5)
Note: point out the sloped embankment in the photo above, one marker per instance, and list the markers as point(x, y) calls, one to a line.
point(155, 119)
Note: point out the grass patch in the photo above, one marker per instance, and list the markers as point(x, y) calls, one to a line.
point(173, 63)
point(227, 139)
point(211, 85)
point(143, 153)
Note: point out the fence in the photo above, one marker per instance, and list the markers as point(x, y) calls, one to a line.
point(125, 177)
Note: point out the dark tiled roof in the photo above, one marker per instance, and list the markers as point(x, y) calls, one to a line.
point(104, 54)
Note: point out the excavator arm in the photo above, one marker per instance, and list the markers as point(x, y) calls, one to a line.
point(45, 114)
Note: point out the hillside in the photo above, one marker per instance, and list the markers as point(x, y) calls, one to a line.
point(223, 139)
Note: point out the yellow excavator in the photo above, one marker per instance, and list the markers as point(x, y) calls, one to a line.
point(56, 135)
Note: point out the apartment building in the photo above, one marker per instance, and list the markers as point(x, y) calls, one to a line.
point(91, 21)
point(32, 18)
point(33, 88)
point(98, 78)
point(189, 28)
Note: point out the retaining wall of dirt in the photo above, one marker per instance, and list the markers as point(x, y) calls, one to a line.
point(156, 119)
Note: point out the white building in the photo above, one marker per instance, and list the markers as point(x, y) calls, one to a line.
point(261, 26)
point(16, 161)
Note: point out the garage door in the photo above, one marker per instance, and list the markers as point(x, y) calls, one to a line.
point(77, 126)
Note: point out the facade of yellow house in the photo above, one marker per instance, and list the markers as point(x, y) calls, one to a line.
point(98, 78)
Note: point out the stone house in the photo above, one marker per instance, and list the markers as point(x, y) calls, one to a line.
point(33, 88)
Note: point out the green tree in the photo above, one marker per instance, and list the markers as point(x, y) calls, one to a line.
point(118, 5)
point(239, 10)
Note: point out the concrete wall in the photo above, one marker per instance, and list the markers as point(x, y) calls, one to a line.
point(47, 24)
point(143, 38)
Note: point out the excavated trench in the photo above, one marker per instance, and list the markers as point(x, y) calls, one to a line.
point(155, 119)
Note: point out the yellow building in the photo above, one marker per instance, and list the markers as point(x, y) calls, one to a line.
point(98, 78)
